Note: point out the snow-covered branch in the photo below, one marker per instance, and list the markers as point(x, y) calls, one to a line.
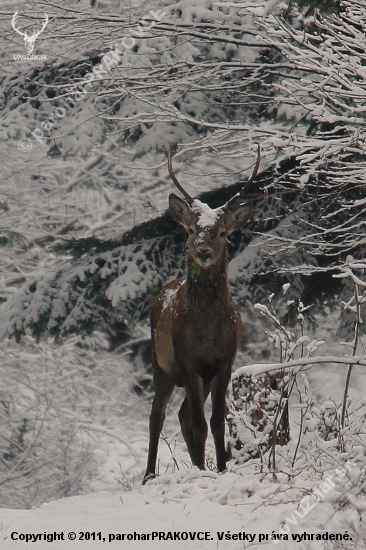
point(261, 368)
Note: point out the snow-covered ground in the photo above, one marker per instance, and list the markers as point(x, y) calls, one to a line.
point(188, 504)
point(246, 507)
point(238, 509)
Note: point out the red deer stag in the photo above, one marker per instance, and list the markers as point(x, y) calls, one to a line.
point(196, 327)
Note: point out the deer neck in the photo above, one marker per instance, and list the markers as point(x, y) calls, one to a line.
point(207, 288)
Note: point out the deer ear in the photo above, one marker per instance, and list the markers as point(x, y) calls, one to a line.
point(236, 217)
point(180, 210)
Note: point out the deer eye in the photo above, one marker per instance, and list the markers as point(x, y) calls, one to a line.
point(222, 233)
point(190, 231)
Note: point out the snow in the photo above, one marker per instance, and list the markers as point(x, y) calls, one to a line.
point(84, 401)
point(188, 501)
point(247, 500)
point(207, 217)
point(169, 295)
point(186, 507)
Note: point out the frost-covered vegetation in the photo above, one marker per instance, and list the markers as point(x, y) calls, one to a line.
point(86, 242)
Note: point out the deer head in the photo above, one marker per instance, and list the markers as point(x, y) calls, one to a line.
point(208, 228)
point(29, 40)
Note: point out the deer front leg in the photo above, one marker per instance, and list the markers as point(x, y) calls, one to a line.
point(218, 394)
point(163, 390)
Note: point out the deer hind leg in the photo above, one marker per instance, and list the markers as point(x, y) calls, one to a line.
point(218, 394)
point(163, 390)
point(185, 419)
point(186, 423)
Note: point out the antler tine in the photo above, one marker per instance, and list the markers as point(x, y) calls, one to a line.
point(172, 175)
point(248, 183)
point(24, 34)
point(36, 34)
point(13, 21)
point(45, 23)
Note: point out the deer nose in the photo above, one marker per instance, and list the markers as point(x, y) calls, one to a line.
point(204, 254)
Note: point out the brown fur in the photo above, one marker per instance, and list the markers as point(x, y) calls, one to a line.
point(196, 330)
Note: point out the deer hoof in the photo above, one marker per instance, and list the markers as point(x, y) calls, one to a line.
point(148, 477)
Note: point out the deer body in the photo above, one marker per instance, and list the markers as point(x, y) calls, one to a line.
point(196, 329)
point(205, 331)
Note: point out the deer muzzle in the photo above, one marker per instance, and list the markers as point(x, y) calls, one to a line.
point(204, 256)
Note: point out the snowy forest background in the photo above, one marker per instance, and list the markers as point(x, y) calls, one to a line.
point(86, 241)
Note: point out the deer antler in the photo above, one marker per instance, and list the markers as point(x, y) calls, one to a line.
point(230, 201)
point(13, 21)
point(24, 34)
point(248, 183)
point(43, 26)
point(172, 175)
